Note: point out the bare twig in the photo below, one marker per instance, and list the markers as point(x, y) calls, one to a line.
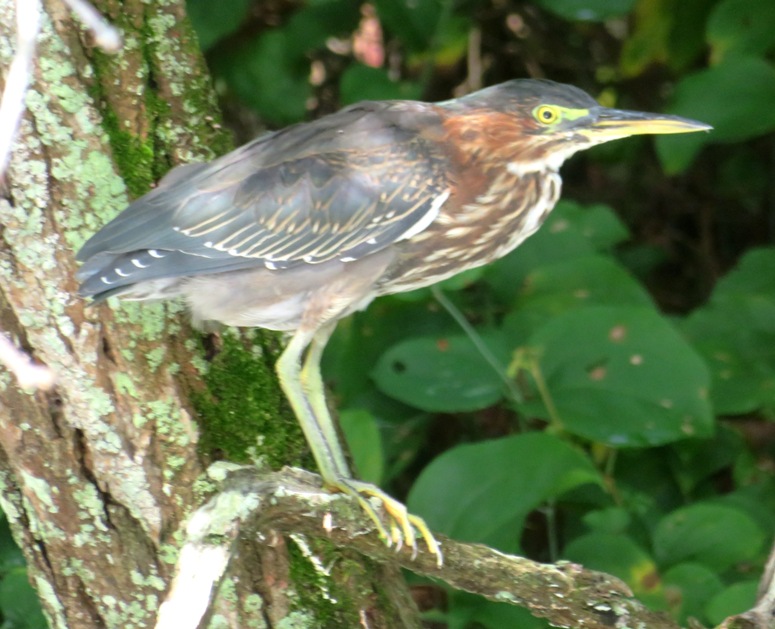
point(18, 78)
point(474, 60)
point(293, 502)
point(28, 373)
point(106, 35)
point(28, 13)
point(478, 342)
point(12, 106)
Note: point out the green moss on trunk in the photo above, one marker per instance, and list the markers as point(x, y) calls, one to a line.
point(244, 415)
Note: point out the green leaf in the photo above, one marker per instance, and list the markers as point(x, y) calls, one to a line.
point(214, 20)
point(647, 488)
point(362, 434)
point(461, 280)
point(466, 611)
point(611, 520)
point(440, 374)
point(313, 24)
point(742, 26)
point(359, 341)
point(414, 21)
point(736, 335)
point(735, 97)
point(648, 43)
point(271, 72)
point(620, 556)
point(553, 289)
point(588, 10)
point(360, 82)
point(19, 602)
point(688, 586)
point(698, 460)
point(598, 223)
point(10, 555)
point(668, 32)
point(754, 274)
point(622, 376)
point(756, 500)
point(265, 75)
point(717, 536)
point(736, 599)
point(686, 41)
point(483, 492)
point(571, 231)
point(642, 259)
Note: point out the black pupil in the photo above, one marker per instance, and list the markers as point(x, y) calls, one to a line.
point(547, 114)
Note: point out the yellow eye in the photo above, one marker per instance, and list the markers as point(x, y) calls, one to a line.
point(546, 114)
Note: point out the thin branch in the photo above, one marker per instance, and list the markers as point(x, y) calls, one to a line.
point(28, 14)
point(18, 78)
point(106, 35)
point(479, 343)
point(12, 106)
point(30, 375)
point(293, 502)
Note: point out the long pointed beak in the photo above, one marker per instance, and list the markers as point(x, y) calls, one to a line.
point(619, 123)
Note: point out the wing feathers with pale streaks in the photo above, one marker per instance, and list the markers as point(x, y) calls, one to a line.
point(340, 188)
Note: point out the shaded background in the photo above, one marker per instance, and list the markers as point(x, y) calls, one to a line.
point(604, 394)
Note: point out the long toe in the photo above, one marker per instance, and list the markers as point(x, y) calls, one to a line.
point(404, 526)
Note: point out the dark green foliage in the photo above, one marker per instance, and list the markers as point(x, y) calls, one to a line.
point(215, 20)
point(601, 368)
point(735, 334)
point(271, 71)
point(467, 611)
point(588, 10)
point(361, 431)
point(440, 375)
point(733, 600)
point(483, 492)
point(748, 115)
point(19, 604)
point(360, 82)
point(645, 465)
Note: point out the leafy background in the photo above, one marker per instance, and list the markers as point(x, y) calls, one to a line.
point(606, 393)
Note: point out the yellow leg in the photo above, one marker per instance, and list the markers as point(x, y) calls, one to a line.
point(303, 386)
point(315, 393)
point(318, 429)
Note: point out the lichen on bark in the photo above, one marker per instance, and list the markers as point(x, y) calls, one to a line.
point(98, 476)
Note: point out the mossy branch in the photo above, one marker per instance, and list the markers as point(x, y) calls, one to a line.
point(293, 502)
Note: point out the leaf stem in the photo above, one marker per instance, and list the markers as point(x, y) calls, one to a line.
point(481, 346)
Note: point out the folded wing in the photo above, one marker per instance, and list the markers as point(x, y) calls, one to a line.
point(340, 188)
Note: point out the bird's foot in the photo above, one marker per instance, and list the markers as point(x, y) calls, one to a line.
point(402, 527)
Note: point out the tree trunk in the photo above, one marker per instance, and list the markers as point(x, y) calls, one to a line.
point(99, 475)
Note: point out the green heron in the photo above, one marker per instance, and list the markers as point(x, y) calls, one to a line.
point(304, 226)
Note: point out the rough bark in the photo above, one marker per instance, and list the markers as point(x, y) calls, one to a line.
point(97, 476)
point(291, 501)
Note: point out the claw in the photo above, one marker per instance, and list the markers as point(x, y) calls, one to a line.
point(397, 537)
point(434, 548)
point(403, 525)
point(369, 509)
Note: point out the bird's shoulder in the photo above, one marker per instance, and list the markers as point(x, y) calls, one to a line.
point(357, 130)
